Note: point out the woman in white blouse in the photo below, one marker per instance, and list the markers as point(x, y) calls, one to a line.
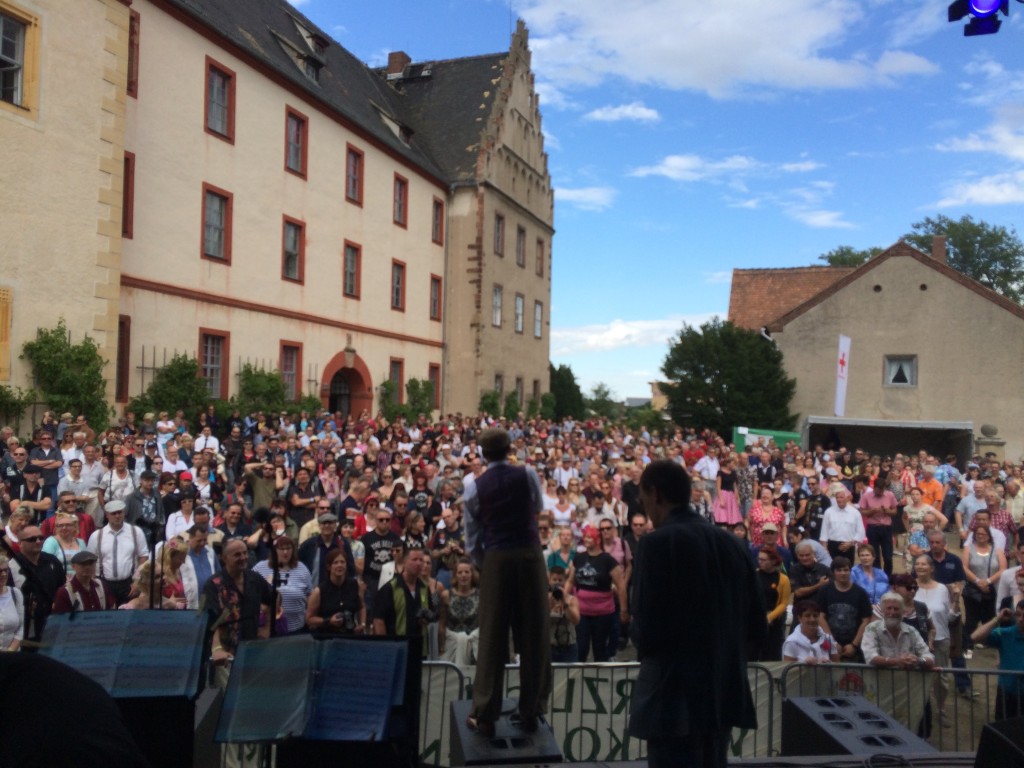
point(12, 611)
point(808, 642)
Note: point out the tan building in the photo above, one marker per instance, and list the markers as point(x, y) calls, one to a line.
point(62, 118)
point(286, 206)
point(486, 113)
point(932, 351)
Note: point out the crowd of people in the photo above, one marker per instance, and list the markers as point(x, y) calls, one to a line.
point(277, 524)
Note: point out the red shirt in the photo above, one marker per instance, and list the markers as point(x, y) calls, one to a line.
point(90, 597)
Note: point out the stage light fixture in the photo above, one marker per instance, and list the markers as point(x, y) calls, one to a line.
point(984, 15)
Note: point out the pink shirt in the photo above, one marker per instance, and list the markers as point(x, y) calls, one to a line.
point(871, 505)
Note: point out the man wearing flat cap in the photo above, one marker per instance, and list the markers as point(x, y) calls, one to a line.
point(84, 592)
point(121, 548)
point(501, 508)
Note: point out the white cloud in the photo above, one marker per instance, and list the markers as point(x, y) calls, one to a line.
point(801, 167)
point(586, 198)
point(722, 49)
point(694, 168)
point(998, 189)
point(718, 278)
point(818, 219)
point(619, 334)
point(635, 111)
point(1004, 136)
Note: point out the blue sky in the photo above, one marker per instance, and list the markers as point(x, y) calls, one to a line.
point(686, 139)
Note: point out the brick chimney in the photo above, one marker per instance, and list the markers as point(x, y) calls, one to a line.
point(397, 62)
point(939, 248)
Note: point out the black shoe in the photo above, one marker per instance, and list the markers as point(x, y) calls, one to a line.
point(526, 724)
point(481, 727)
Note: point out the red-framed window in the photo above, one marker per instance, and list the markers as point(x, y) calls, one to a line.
point(296, 141)
point(538, 320)
point(124, 347)
point(401, 201)
point(541, 253)
point(134, 27)
point(216, 229)
point(354, 160)
point(434, 377)
point(214, 361)
point(396, 374)
point(219, 107)
point(398, 285)
point(351, 270)
point(520, 247)
point(290, 366)
point(436, 297)
point(437, 222)
point(520, 309)
point(128, 197)
point(293, 250)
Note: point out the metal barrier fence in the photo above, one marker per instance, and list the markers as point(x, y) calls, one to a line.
point(588, 711)
point(929, 703)
point(589, 706)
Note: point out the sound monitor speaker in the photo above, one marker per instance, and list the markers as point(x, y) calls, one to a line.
point(1001, 745)
point(843, 725)
point(510, 745)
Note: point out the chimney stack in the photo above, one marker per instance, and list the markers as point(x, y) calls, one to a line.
point(939, 248)
point(397, 62)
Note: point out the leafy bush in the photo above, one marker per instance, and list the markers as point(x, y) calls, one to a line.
point(69, 376)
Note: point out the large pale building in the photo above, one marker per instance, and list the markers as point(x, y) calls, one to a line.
point(281, 203)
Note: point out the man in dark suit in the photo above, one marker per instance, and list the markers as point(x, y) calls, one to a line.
point(696, 608)
point(501, 508)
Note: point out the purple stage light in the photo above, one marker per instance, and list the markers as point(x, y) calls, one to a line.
point(983, 8)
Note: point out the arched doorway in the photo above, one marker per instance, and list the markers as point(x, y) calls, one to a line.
point(340, 398)
point(347, 388)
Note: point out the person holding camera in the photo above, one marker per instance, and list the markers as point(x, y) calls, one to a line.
point(1009, 641)
point(336, 605)
point(564, 610)
point(405, 606)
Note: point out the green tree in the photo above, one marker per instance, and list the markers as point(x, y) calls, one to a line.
point(547, 406)
point(389, 405)
point(69, 376)
point(644, 416)
point(566, 390)
point(602, 401)
point(720, 376)
point(13, 402)
point(177, 385)
point(991, 254)
point(512, 406)
point(419, 397)
point(490, 403)
point(260, 390)
point(532, 409)
point(848, 256)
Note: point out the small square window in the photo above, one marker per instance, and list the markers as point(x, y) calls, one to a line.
point(900, 371)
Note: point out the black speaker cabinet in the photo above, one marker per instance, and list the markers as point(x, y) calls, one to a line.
point(843, 725)
point(510, 745)
point(1001, 745)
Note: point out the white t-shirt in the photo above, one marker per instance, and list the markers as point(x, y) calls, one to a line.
point(799, 647)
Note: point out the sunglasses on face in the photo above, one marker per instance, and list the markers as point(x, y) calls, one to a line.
point(32, 539)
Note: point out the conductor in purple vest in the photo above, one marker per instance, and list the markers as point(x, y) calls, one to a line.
point(501, 508)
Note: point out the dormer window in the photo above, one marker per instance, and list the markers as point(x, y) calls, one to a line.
point(311, 68)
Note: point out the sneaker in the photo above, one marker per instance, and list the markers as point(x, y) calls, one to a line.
point(946, 720)
point(969, 694)
point(897, 553)
point(968, 654)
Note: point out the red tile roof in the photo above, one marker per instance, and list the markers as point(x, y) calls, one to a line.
point(759, 296)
